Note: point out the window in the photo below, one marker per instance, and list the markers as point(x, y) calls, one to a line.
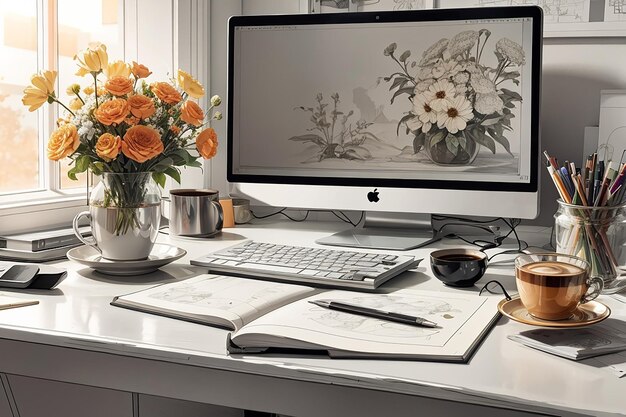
point(36, 35)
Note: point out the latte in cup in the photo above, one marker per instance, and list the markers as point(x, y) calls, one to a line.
point(552, 286)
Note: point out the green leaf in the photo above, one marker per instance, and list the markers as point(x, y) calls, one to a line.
point(418, 142)
point(452, 143)
point(398, 82)
point(499, 137)
point(482, 139)
point(462, 141)
point(195, 164)
point(512, 94)
point(97, 168)
point(405, 90)
point(159, 178)
point(489, 122)
point(174, 173)
point(437, 137)
point(82, 163)
point(71, 174)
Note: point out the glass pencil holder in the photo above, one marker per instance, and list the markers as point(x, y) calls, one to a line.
point(597, 235)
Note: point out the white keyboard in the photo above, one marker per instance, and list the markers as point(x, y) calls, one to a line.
point(303, 265)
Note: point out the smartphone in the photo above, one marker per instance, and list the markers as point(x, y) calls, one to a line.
point(18, 276)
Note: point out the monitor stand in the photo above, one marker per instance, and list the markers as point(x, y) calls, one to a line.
point(391, 231)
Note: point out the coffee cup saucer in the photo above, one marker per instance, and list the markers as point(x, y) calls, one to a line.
point(586, 314)
point(162, 254)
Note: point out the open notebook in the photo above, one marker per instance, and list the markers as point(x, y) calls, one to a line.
point(268, 316)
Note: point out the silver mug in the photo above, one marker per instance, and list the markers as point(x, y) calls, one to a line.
point(195, 212)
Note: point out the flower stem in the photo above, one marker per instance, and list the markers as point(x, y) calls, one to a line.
point(64, 106)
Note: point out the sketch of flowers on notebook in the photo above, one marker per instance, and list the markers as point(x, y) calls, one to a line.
point(334, 134)
point(458, 104)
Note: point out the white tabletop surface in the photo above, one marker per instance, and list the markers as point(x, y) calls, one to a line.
point(78, 314)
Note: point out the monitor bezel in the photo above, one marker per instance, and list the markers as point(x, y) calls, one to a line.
point(533, 12)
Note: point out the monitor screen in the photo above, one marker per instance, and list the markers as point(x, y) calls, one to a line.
point(434, 111)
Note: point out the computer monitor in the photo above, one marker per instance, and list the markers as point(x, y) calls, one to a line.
point(393, 113)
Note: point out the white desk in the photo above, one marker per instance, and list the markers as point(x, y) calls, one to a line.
point(75, 336)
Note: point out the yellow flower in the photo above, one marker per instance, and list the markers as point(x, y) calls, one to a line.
point(88, 90)
point(75, 104)
point(63, 142)
point(40, 91)
point(117, 68)
point(72, 89)
point(190, 85)
point(92, 60)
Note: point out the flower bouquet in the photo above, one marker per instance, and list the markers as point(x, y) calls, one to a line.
point(127, 130)
point(458, 103)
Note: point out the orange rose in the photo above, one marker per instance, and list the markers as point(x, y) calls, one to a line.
point(108, 146)
point(142, 143)
point(206, 142)
point(191, 113)
point(141, 106)
point(166, 93)
point(63, 142)
point(175, 130)
point(140, 71)
point(119, 85)
point(112, 111)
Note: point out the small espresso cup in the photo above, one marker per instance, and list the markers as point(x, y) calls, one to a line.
point(458, 267)
point(551, 286)
point(195, 212)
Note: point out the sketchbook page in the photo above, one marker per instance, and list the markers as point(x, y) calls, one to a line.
point(462, 319)
point(235, 300)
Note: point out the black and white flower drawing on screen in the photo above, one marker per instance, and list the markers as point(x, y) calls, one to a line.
point(334, 134)
point(457, 103)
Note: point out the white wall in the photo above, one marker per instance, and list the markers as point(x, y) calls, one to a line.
point(574, 72)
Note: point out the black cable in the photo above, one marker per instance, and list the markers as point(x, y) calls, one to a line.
point(345, 217)
point(281, 212)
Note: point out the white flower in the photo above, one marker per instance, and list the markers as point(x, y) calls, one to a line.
point(445, 69)
point(511, 50)
point(488, 103)
point(461, 77)
point(425, 73)
point(456, 116)
point(443, 92)
point(482, 85)
point(423, 85)
point(462, 42)
point(435, 51)
point(424, 112)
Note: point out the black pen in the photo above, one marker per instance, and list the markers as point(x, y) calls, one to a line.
point(371, 312)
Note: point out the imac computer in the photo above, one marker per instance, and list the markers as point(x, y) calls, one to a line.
point(393, 113)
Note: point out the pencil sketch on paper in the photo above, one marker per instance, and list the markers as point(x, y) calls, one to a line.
point(221, 298)
point(554, 11)
point(615, 10)
point(443, 311)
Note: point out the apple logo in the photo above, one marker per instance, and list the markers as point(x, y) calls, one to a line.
point(372, 196)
